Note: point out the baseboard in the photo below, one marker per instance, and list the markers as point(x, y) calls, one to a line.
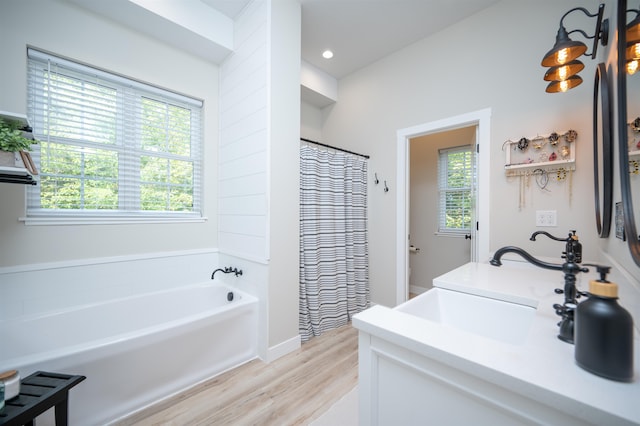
point(282, 349)
point(417, 289)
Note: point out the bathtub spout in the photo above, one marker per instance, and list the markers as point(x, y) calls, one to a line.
point(227, 270)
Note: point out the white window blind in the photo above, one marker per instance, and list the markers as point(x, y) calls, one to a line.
point(111, 146)
point(456, 177)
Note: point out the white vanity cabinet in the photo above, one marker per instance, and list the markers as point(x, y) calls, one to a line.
point(418, 368)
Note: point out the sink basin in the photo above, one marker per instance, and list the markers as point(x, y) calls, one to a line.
point(495, 319)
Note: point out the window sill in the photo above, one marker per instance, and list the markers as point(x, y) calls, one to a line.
point(462, 234)
point(113, 220)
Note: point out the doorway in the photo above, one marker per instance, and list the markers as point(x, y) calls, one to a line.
point(479, 233)
point(441, 204)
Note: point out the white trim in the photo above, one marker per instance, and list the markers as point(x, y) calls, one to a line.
point(481, 118)
point(283, 348)
point(97, 220)
point(102, 260)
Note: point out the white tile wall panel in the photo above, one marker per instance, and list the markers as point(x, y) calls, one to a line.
point(249, 205)
point(248, 72)
point(245, 50)
point(235, 93)
point(235, 113)
point(251, 164)
point(243, 154)
point(243, 245)
point(243, 185)
point(239, 148)
point(252, 123)
point(243, 225)
point(253, 17)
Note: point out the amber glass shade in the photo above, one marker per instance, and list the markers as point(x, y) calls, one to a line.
point(563, 86)
point(563, 72)
point(633, 31)
point(564, 51)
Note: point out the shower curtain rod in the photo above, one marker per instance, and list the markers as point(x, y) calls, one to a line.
point(336, 148)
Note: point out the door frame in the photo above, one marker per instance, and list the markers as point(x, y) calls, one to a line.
point(480, 236)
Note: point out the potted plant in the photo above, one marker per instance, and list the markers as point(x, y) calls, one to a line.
point(12, 140)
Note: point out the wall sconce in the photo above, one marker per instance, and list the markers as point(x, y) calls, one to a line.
point(563, 57)
point(633, 43)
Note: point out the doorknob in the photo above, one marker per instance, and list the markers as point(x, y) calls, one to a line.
point(467, 237)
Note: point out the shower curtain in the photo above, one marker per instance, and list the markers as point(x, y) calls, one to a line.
point(334, 259)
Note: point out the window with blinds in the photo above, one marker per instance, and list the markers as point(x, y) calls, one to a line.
point(111, 146)
point(456, 176)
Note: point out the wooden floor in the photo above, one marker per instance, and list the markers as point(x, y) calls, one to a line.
point(293, 390)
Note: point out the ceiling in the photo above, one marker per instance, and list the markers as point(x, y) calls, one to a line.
point(360, 32)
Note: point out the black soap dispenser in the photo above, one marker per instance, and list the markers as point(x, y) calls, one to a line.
point(604, 332)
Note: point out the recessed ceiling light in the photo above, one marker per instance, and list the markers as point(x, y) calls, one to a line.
point(327, 54)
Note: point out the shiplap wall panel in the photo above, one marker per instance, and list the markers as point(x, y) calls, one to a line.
point(247, 205)
point(242, 185)
point(243, 246)
point(245, 225)
point(252, 123)
point(245, 146)
point(243, 155)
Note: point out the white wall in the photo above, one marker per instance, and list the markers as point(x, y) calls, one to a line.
point(490, 60)
point(284, 171)
point(310, 122)
point(259, 161)
point(438, 253)
point(67, 30)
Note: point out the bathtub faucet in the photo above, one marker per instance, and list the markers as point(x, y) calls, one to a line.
point(571, 294)
point(227, 270)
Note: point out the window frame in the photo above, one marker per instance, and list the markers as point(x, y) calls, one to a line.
point(127, 147)
point(444, 189)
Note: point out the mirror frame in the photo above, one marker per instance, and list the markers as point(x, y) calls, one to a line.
point(630, 228)
point(601, 87)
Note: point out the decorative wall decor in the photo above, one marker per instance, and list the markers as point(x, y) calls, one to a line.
point(551, 153)
point(541, 158)
point(633, 137)
point(620, 221)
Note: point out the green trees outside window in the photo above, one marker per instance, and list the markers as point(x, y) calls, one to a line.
point(107, 146)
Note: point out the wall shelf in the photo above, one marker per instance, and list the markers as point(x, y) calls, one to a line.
point(18, 175)
point(524, 156)
point(20, 119)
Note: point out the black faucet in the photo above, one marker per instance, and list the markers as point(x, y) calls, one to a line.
point(571, 294)
point(573, 244)
point(227, 270)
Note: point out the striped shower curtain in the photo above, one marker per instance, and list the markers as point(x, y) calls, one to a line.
point(334, 259)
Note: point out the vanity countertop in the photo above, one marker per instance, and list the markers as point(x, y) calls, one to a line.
point(542, 367)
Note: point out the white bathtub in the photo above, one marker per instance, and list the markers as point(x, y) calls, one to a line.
point(134, 351)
